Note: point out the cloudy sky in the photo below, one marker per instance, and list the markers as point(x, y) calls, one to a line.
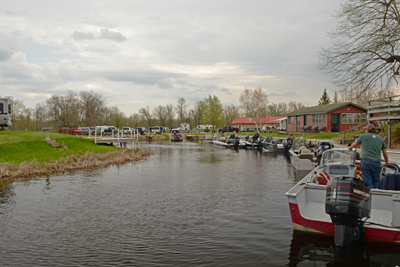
point(140, 53)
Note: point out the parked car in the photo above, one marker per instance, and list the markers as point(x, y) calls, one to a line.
point(141, 130)
point(156, 129)
point(102, 130)
point(110, 130)
point(85, 130)
point(75, 131)
point(228, 129)
point(127, 130)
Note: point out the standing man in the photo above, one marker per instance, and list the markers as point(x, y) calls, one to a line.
point(255, 136)
point(291, 138)
point(372, 145)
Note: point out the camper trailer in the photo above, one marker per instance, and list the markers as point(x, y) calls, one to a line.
point(185, 127)
point(6, 108)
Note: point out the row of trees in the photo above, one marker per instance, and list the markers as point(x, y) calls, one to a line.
point(88, 108)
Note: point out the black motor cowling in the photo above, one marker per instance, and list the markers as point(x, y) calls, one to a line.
point(237, 142)
point(348, 201)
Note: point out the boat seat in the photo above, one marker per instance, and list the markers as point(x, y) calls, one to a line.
point(309, 156)
point(305, 151)
point(301, 148)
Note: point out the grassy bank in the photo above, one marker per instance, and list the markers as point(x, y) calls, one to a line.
point(25, 154)
point(17, 147)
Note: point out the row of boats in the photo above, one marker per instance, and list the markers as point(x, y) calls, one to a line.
point(265, 144)
point(332, 199)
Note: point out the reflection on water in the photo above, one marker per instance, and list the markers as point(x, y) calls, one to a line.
point(317, 250)
point(189, 204)
point(211, 159)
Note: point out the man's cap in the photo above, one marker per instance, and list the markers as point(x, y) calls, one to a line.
point(369, 127)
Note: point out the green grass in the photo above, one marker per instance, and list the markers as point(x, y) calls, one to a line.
point(20, 146)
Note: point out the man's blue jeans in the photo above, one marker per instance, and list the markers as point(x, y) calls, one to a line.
point(371, 171)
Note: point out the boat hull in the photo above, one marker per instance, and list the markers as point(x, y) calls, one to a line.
point(301, 164)
point(307, 209)
point(327, 228)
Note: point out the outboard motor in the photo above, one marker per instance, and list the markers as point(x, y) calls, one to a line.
point(237, 142)
point(323, 146)
point(348, 201)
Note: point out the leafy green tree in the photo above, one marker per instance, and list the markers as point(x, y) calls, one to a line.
point(324, 100)
point(213, 111)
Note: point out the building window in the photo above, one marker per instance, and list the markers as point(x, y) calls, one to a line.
point(354, 118)
point(290, 120)
point(318, 119)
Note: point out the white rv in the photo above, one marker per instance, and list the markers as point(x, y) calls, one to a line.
point(6, 103)
point(185, 127)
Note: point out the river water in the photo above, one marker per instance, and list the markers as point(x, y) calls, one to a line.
point(189, 204)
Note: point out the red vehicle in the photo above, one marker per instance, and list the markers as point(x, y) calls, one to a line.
point(75, 131)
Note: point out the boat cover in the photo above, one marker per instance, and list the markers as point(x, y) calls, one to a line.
point(390, 182)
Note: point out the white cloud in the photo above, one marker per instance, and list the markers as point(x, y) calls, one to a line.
point(159, 51)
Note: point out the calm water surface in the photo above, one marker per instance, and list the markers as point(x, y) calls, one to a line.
point(189, 204)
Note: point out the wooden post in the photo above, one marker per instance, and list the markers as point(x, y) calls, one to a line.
point(389, 126)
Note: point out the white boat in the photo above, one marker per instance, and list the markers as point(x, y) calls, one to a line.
point(311, 198)
point(275, 146)
point(301, 158)
point(225, 142)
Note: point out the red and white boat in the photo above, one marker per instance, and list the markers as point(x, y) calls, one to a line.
point(309, 197)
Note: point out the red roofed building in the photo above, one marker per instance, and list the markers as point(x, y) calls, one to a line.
point(250, 122)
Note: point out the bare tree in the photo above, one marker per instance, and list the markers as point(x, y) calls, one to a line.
point(17, 114)
point(27, 116)
point(254, 102)
point(118, 117)
point(277, 109)
point(40, 114)
point(134, 120)
point(161, 114)
point(64, 108)
point(92, 105)
point(146, 113)
point(181, 109)
point(170, 115)
point(293, 106)
point(231, 112)
point(365, 56)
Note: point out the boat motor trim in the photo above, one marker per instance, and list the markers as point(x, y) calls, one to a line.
point(348, 202)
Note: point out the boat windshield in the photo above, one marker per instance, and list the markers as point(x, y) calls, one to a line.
point(343, 156)
point(268, 138)
point(297, 143)
point(319, 141)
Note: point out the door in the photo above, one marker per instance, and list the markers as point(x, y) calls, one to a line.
point(335, 122)
point(305, 120)
point(298, 124)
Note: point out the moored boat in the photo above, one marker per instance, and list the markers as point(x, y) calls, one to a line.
point(302, 159)
point(315, 195)
point(275, 146)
